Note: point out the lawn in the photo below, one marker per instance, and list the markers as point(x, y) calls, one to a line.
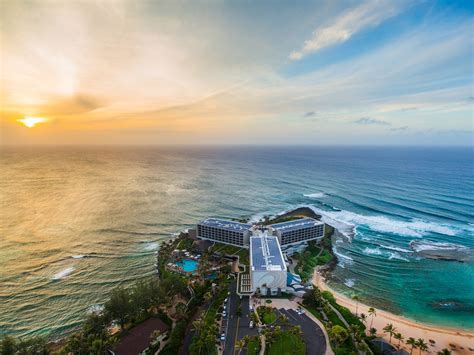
point(253, 347)
point(287, 344)
point(269, 317)
point(266, 314)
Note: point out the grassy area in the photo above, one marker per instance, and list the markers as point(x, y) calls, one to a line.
point(281, 219)
point(286, 344)
point(253, 347)
point(310, 258)
point(269, 318)
point(266, 314)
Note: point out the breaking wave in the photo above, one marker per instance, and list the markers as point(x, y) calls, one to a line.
point(388, 255)
point(63, 273)
point(346, 221)
point(349, 283)
point(315, 195)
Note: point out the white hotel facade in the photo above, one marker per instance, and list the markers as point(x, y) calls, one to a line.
point(268, 269)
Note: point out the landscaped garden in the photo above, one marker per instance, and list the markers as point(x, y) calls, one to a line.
point(287, 343)
point(266, 314)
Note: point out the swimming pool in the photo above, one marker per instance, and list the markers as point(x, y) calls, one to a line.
point(188, 265)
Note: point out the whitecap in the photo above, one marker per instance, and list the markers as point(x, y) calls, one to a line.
point(96, 308)
point(346, 221)
point(349, 283)
point(315, 195)
point(78, 256)
point(151, 246)
point(63, 273)
point(394, 248)
point(397, 257)
point(372, 251)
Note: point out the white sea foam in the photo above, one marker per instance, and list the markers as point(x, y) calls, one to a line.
point(372, 251)
point(63, 273)
point(397, 257)
point(391, 247)
point(349, 283)
point(342, 259)
point(96, 308)
point(388, 255)
point(343, 220)
point(315, 195)
point(78, 256)
point(151, 246)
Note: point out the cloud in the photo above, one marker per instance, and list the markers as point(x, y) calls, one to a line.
point(399, 129)
point(366, 15)
point(370, 121)
point(79, 103)
point(310, 114)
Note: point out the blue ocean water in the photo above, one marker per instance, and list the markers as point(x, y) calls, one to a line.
point(75, 222)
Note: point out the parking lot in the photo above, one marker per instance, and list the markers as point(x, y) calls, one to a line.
point(312, 334)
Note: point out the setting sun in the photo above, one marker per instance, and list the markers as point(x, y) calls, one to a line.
point(30, 122)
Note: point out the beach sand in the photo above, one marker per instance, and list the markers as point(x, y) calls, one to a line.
point(463, 340)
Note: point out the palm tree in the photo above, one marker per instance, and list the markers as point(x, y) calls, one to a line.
point(399, 337)
point(390, 329)
point(444, 352)
point(372, 312)
point(421, 345)
point(412, 341)
point(373, 332)
point(357, 299)
point(363, 318)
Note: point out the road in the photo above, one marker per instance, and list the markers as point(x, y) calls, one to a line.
point(312, 334)
point(237, 327)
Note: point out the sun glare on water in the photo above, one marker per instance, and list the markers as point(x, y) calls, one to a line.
point(30, 121)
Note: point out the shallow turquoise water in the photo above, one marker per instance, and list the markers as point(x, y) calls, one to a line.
point(75, 223)
point(188, 265)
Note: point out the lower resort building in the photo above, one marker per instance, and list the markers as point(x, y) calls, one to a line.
point(292, 233)
point(297, 231)
point(267, 267)
point(222, 231)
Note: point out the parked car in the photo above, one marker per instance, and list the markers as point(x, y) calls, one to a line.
point(222, 336)
point(251, 324)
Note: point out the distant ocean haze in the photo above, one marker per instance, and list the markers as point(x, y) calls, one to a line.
point(76, 222)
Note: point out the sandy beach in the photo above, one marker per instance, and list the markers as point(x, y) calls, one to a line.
point(463, 340)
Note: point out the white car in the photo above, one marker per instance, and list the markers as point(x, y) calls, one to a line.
point(251, 324)
point(225, 301)
point(222, 336)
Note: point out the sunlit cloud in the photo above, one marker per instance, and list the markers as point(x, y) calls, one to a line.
point(30, 122)
point(367, 14)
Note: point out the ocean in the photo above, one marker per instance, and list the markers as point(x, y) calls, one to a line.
point(77, 222)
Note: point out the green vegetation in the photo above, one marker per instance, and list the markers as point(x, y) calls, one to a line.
point(286, 342)
point(253, 346)
point(310, 258)
point(319, 303)
point(266, 314)
point(279, 219)
point(36, 345)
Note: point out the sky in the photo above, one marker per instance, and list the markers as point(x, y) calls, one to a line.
point(366, 72)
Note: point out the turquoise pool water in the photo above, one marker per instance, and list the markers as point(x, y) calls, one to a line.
point(188, 265)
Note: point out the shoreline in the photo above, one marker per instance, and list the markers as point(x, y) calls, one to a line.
point(443, 336)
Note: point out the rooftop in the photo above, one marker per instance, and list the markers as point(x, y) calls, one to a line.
point(296, 224)
point(224, 224)
point(266, 253)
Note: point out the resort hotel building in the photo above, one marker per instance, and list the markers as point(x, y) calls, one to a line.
point(222, 231)
point(268, 272)
point(267, 266)
point(234, 233)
